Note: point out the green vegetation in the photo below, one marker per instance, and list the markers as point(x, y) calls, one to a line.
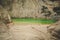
point(31, 20)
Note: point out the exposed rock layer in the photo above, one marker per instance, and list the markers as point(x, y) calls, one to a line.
point(32, 8)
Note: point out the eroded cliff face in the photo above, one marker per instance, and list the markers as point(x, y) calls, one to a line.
point(35, 8)
point(32, 8)
point(25, 8)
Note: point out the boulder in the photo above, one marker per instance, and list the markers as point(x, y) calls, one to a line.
point(54, 31)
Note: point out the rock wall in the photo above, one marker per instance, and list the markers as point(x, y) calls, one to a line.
point(5, 33)
point(4, 16)
point(34, 8)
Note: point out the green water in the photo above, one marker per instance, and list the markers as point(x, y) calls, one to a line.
point(31, 20)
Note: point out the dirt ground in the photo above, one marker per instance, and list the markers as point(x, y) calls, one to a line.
point(25, 31)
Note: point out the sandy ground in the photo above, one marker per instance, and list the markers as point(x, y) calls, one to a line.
point(27, 31)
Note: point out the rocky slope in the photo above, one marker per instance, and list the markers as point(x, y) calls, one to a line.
point(54, 31)
point(32, 8)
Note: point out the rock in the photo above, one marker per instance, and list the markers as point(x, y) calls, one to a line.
point(5, 33)
point(33, 8)
point(54, 31)
point(30, 8)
